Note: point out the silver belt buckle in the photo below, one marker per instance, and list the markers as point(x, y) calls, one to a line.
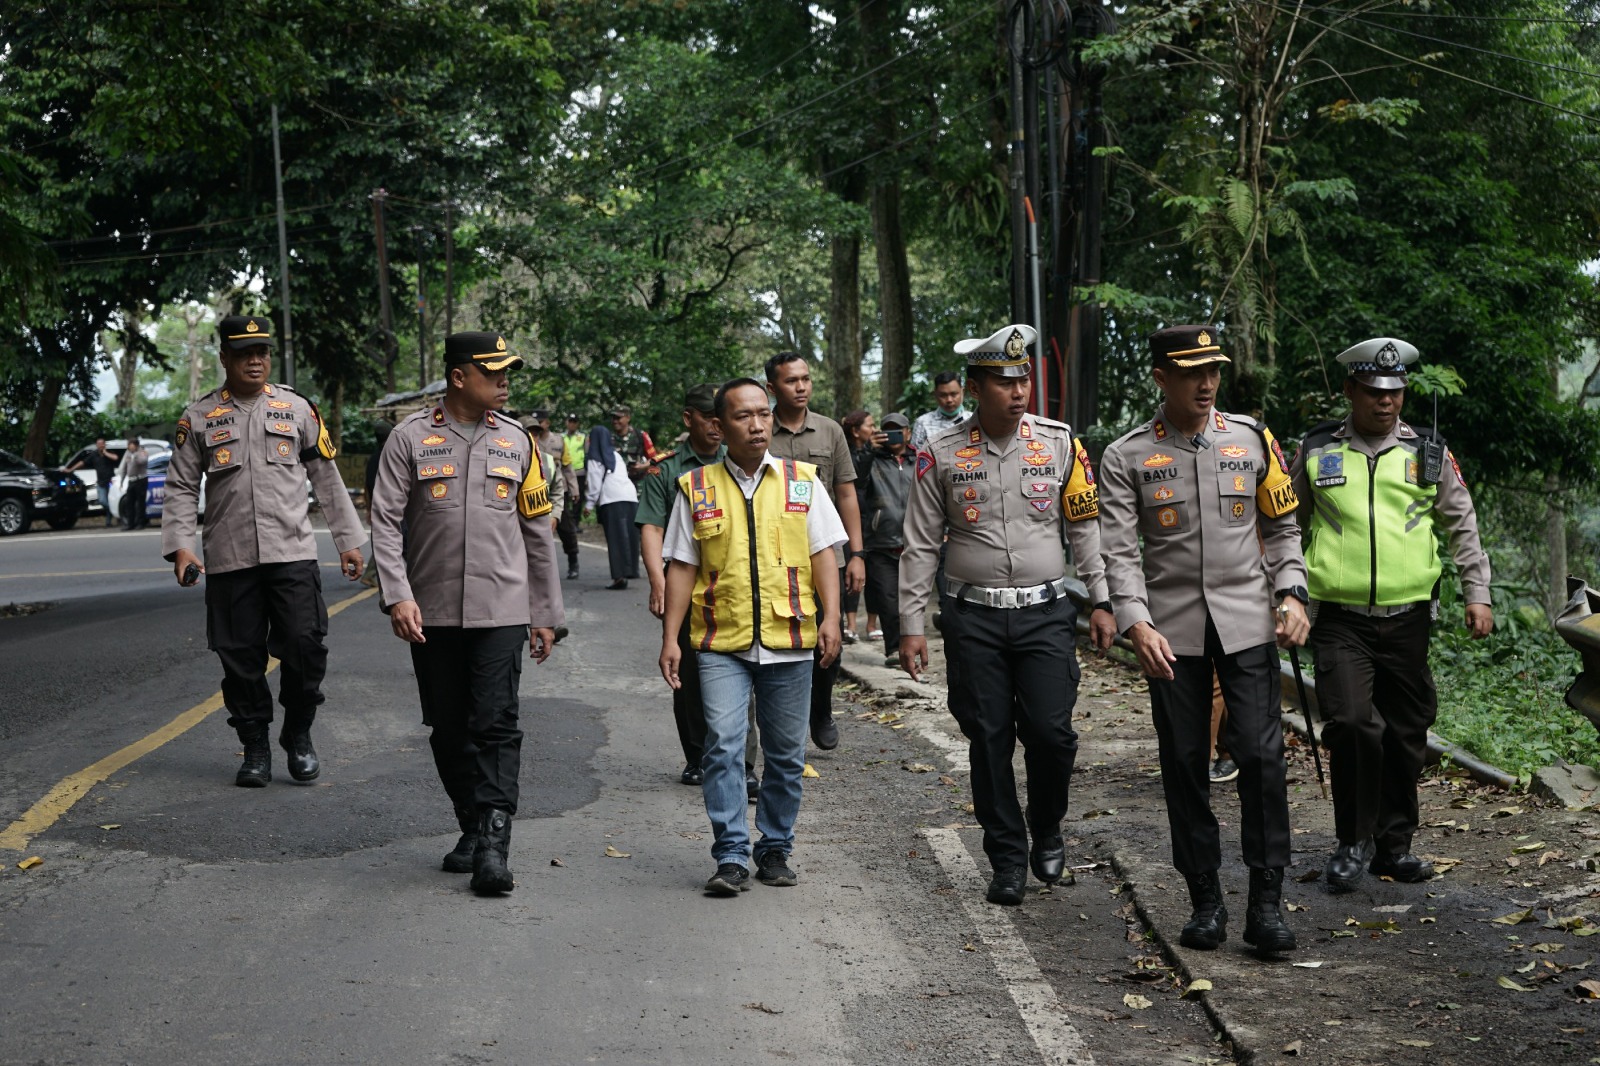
point(1008, 598)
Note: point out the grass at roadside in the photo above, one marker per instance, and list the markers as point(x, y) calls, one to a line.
point(1501, 697)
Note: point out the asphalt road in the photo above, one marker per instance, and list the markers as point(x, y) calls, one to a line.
point(175, 917)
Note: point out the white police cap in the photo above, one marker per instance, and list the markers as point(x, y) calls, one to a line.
point(1380, 362)
point(1004, 352)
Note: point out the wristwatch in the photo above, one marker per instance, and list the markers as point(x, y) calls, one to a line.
point(1103, 605)
point(1298, 592)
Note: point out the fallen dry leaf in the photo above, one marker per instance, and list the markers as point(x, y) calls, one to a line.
point(968, 947)
point(1308, 965)
point(1097, 813)
point(809, 771)
point(1416, 1043)
point(946, 779)
point(1590, 989)
point(1514, 918)
point(1506, 982)
point(29, 863)
point(1202, 985)
point(1292, 1048)
point(920, 767)
point(1134, 1001)
point(763, 1008)
point(1524, 849)
point(1291, 907)
point(613, 853)
point(1545, 949)
point(113, 825)
point(1506, 812)
point(558, 862)
point(1309, 875)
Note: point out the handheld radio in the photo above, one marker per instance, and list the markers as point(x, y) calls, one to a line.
point(1432, 452)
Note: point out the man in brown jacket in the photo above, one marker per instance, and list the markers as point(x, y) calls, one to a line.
point(1197, 484)
point(255, 444)
point(467, 565)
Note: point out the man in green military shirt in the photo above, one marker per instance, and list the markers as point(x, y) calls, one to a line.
point(655, 507)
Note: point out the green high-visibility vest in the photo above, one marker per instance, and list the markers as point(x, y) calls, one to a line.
point(575, 457)
point(1371, 538)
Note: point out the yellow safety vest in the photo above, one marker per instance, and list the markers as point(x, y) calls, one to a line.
point(755, 559)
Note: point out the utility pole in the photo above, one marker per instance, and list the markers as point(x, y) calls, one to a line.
point(449, 267)
point(1016, 31)
point(390, 353)
point(283, 257)
point(422, 312)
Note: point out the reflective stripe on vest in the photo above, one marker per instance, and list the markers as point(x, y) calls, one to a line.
point(755, 559)
point(1371, 539)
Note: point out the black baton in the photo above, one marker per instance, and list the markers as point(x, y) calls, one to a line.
point(1311, 727)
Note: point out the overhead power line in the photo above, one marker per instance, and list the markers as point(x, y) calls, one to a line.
point(1475, 48)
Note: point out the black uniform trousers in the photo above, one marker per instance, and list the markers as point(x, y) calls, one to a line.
point(274, 608)
point(468, 680)
point(567, 528)
point(622, 538)
point(883, 594)
point(688, 704)
point(823, 678)
point(1254, 737)
point(1377, 699)
point(135, 499)
point(1017, 678)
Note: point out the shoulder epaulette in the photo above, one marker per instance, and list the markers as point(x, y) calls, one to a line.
point(1143, 427)
point(1243, 420)
point(959, 427)
point(1041, 420)
point(1321, 433)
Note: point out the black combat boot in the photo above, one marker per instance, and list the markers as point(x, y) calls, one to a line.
point(1208, 924)
point(1264, 927)
point(256, 770)
point(572, 568)
point(459, 861)
point(490, 874)
point(296, 741)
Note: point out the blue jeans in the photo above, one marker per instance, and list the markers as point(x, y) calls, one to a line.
point(783, 701)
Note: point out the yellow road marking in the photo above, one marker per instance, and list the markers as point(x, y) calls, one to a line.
point(69, 790)
point(97, 573)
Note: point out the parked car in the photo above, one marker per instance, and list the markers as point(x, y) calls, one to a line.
point(155, 489)
point(114, 448)
point(28, 492)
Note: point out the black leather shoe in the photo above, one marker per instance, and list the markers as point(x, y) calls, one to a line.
point(256, 770)
point(490, 874)
point(1208, 922)
point(303, 762)
point(1407, 867)
point(692, 775)
point(825, 733)
point(1264, 927)
point(1048, 858)
point(1346, 866)
point(572, 570)
point(1006, 887)
point(459, 860)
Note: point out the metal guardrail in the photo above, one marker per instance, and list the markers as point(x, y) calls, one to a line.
point(1438, 747)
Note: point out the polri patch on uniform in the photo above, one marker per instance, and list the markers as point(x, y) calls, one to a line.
point(1159, 459)
point(1163, 494)
point(969, 464)
point(1167, 517)
point(438, 490)
point(1040, 505)
point(183, 431)
point(504, 471)
point(1413, 472)
point(448, 470)
point(1234, 451)
point(224, 457)
point(1330, 465)
point(1237, 510)
point(284, 449)
point(971, 514)
point(969, 494)
point(968, 452)
point(218, 411)
point(1036, 445)
point(279, 405)
point(1238, 483)
point(431, 439)
point(502, 442)
point(1456, 467)
point(502, 491)
point(924, 464)
point(1038, 459)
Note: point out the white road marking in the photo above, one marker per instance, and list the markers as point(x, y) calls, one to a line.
point(1058, 1042)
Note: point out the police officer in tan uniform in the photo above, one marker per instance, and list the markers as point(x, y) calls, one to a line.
point(1210, 494)
point(1007, 484)
point(255, 444)
point(1375, 491)
point(469, 580)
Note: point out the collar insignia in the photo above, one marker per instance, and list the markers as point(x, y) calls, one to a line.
point(976, 436)
point(1160, 430)
point(1025, 429)
point(438, 416)
point(1221, 423)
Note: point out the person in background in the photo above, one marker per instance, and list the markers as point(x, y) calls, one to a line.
point(135, 466)
point(883, 485)
point(801, 434)
point(574, 460)
point(948, 393)
point(550, 452)
point(105, 468)
point(615, 500)
point(858, 431)
point(703, 448)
